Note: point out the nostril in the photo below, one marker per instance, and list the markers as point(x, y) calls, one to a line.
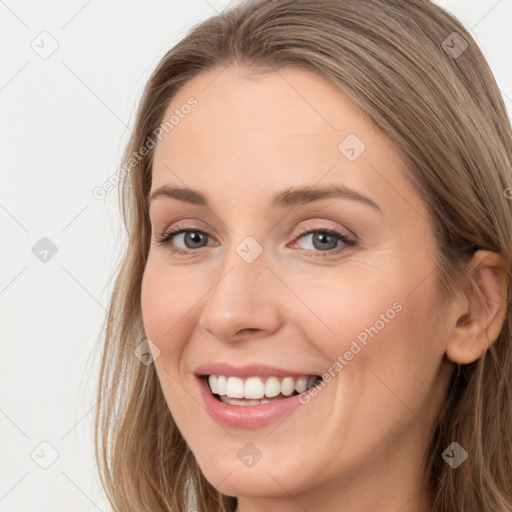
point(248, 329)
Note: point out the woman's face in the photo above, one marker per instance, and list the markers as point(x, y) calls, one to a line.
point(263, 291)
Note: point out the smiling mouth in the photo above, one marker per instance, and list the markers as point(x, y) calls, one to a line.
point(258, 390)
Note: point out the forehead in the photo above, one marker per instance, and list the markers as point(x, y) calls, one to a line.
point(265, 132)
point(282, 108)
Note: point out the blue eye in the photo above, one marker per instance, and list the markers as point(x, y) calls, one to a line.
point(322, 239)
point(194, 236)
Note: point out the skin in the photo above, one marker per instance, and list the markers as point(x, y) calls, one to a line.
point(361, 440)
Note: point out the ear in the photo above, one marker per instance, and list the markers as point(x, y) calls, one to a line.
point(479, 312)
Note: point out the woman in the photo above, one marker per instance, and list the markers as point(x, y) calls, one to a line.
point(313, 311)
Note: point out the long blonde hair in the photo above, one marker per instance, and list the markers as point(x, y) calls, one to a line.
point(441, 107)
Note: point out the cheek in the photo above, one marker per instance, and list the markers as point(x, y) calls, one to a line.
point(151, 303)
point(354, 303)
point(167, 303)
point(372, 316)
point(402, 343)
point(164, 306)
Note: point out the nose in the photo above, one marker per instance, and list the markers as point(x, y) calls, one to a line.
point(244, 300)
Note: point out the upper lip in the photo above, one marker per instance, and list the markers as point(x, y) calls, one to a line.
point(252, 370)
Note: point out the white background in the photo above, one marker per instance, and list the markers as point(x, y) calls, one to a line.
point(64, 123)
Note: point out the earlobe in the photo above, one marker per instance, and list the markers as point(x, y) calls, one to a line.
point(480, 311)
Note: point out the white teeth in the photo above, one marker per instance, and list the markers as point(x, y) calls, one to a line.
point(288, 386)
point(256, 388)
point(235, 388)
point(221, 384)
point(212, 380)
point(301, 384)
point(234, 401)
point(272, 387)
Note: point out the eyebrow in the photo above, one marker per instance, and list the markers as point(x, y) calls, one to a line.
point(284, 199)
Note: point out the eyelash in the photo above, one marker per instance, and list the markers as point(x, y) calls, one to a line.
point(166, 238)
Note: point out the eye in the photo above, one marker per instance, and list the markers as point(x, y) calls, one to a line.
point(191, 237)
point(325, 241)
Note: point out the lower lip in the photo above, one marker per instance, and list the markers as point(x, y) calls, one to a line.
point(246, 416)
